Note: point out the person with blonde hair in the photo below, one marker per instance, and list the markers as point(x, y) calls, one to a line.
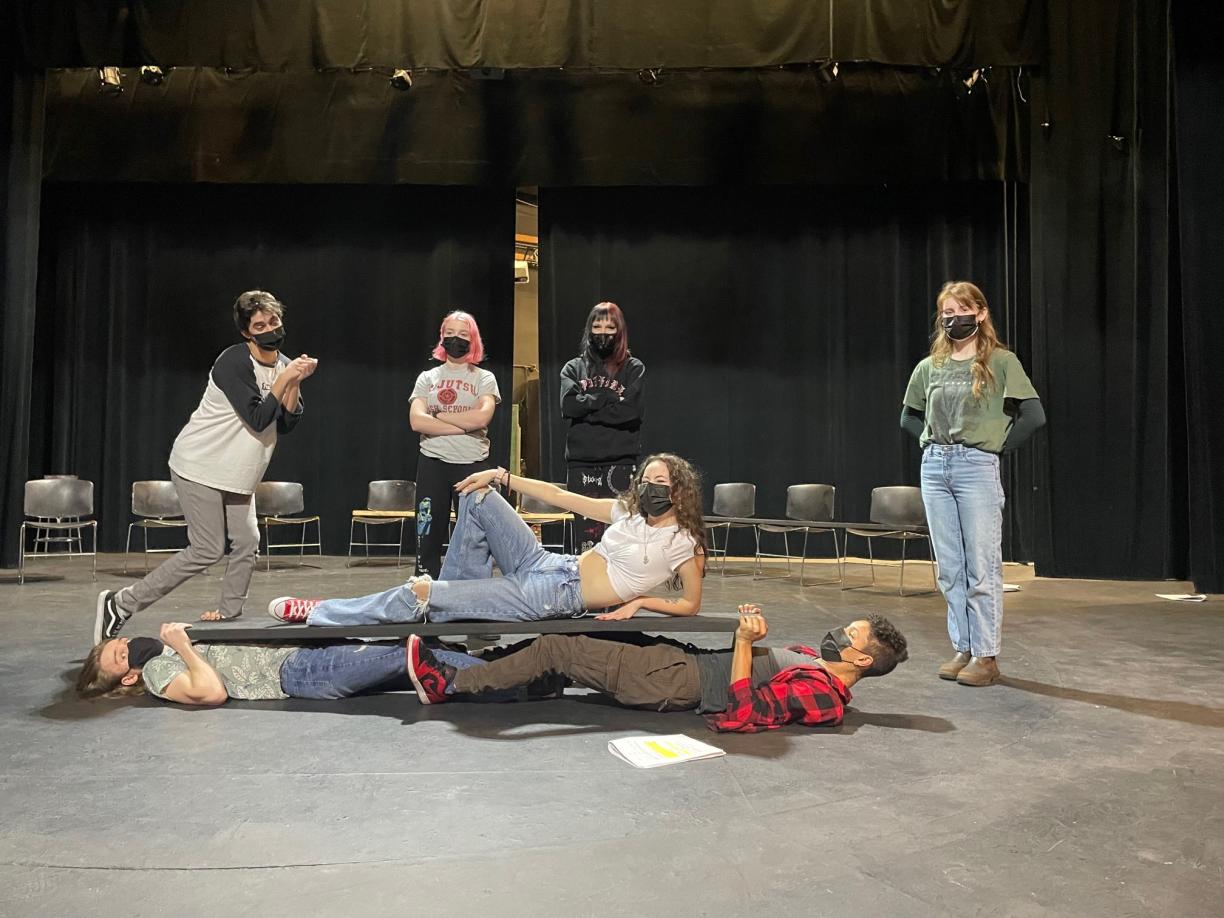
point(968, 402)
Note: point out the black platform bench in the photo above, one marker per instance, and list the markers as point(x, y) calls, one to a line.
point(305, 634)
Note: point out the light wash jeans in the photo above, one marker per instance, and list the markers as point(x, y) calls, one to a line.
point(964, 508)
point(343, 670)
point(535, 583)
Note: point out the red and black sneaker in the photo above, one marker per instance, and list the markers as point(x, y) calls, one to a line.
point(428, 675)
point(291, 609)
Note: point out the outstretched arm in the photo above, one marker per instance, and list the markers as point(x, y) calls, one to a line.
point(591, 507)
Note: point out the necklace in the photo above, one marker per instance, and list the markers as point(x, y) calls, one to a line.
point(646, 546)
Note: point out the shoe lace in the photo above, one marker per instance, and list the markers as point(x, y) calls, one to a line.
point(297, 609)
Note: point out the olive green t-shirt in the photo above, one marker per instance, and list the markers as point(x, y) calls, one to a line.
point(945, 396)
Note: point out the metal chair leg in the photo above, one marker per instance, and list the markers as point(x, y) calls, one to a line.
point(94, 527)
point(127, 548)
point(871, 560)
point(21, 556)
point(901, 587)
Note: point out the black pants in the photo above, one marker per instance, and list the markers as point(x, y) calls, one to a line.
point(603, 481)
point(436, 497)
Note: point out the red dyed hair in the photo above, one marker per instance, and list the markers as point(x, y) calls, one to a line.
point(476, 353)
point(620, 345)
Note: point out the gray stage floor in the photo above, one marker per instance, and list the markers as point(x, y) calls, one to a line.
point(1089, 784)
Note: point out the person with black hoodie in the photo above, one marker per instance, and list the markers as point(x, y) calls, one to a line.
point(601, 395)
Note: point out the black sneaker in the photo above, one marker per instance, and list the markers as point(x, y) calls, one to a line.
point(109, 619)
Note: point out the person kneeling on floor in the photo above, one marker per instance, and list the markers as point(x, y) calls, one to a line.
point(745, 690)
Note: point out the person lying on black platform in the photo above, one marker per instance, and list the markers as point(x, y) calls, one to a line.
point(745, 690)
point(173, 668)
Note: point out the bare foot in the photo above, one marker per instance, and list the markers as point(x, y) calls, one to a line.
point(213, 615)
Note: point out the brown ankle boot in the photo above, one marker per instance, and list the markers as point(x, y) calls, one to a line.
point(952, 668)
point(980, 671)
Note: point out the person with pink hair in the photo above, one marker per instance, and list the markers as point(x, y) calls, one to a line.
point(451, 408)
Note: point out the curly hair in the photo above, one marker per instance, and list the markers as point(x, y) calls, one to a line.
point(685, 495)
point(887, 646)
point(93, 683)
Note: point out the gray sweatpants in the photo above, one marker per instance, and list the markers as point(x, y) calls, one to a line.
point(212, 517)
point(660, 677)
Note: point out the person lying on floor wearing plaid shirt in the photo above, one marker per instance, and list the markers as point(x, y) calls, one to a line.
point(743, 690)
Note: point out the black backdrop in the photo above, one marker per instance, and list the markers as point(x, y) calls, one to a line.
point(134, 305)
point(1199, 212)
point(779, 326)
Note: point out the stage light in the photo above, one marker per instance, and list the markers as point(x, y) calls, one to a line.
point(110, 81)
point(402, 80)
point(827, 72)
point(651, 76)
point(152, 76)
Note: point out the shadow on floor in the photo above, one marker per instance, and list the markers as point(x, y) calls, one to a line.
point(922, 722)
point(574, 714)
point(1182, 711)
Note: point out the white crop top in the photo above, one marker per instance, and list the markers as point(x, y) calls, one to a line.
point(630, 539)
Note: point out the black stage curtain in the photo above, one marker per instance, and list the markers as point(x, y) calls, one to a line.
point(542, 128)
point(1200, 207)
point(779, 326)
point(137, 283)
point(529, 34)
point(21, 136)
point(1112, 469)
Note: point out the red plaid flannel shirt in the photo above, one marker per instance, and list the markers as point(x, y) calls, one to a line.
point(808, 695)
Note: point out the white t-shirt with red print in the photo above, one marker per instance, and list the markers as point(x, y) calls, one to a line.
point(447, 390)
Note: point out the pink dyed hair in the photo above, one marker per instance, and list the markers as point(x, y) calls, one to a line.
point(473, 356)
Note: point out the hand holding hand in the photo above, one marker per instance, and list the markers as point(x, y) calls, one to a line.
point(174, 636)
point(752, 626)
point(303, 366)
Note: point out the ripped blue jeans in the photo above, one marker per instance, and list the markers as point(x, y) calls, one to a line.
point(535, 583)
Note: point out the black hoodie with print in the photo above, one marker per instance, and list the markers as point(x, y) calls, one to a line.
point(605, 412)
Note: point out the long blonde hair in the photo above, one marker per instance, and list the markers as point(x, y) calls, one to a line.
point(987, 338)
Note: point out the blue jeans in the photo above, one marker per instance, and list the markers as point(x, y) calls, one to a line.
point(964, 508)
point(535, 584)
point(342, 670)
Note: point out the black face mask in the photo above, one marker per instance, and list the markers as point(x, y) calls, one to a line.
point(603, 345)
point(270, 340)
point(958, 328)
point(143, 649)
point(833, 644)
point(456, 347)
point(654, 499)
